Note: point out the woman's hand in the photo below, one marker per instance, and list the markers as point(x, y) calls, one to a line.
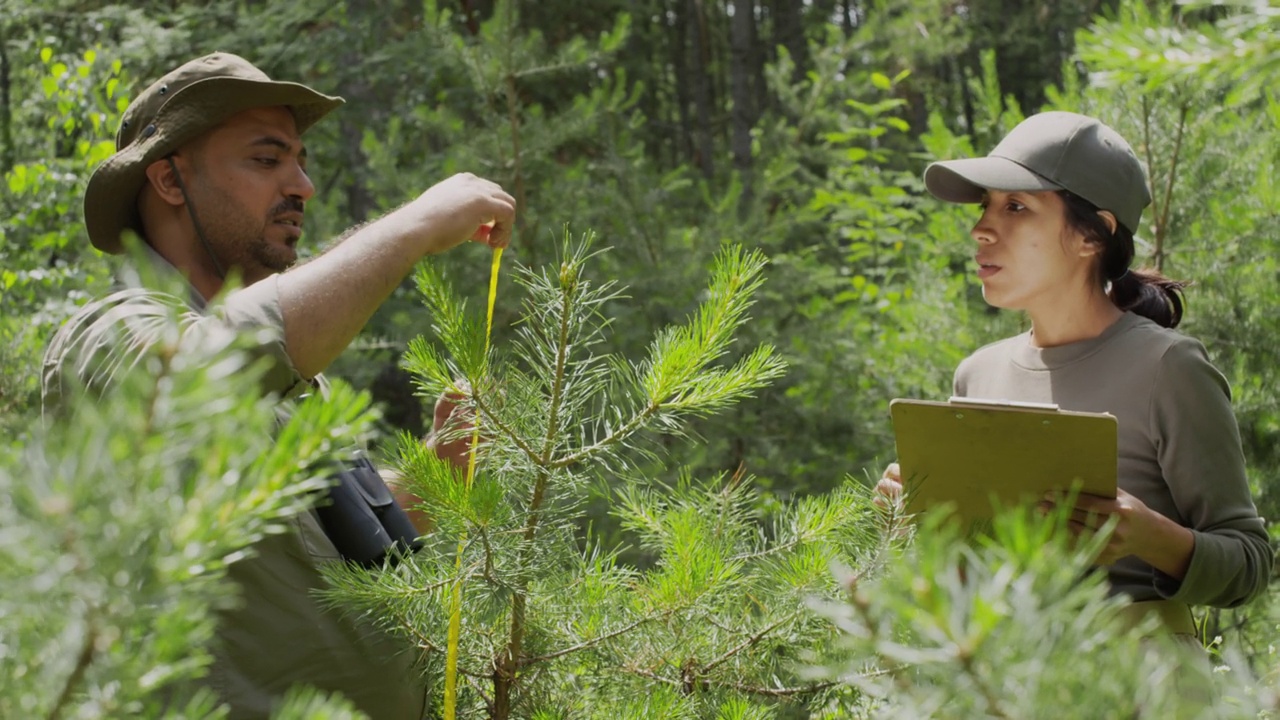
point(1138, 531)
point(889, 489)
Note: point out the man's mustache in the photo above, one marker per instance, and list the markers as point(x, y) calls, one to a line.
point(292, 204)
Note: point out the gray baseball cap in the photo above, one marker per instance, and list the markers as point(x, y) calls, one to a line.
point(1052, 151)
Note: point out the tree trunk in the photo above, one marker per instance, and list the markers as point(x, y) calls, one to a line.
point(356, 89)
point(684, 133)
point(760, 57)
point(7, 152)
point(789, 31)
point(741, 70)
point(701, 86)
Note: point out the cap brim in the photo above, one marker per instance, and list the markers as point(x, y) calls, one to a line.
point(967, 180)
point(111, 195)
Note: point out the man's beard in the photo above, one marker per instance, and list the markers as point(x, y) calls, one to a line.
point(237, 240)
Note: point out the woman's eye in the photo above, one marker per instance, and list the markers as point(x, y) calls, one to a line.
point(1015, 207)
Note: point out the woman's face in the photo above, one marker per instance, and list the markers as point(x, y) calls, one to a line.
point(1028, 257)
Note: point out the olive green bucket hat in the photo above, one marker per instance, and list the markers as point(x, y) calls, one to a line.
point(1052, 151)
point(177, 108)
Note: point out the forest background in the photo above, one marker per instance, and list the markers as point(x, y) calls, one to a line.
point(674, 127)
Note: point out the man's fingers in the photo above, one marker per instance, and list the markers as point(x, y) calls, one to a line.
point(445, 407)
point(496, 230)
point(499, 235)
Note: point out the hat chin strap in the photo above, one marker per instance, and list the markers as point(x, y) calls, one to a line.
point(191, 210)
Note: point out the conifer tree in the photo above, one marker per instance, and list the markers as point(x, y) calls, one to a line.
point(118, 521)
point(1017, 624)
point(554, 623)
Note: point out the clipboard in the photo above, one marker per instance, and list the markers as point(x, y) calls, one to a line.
point(980, 454)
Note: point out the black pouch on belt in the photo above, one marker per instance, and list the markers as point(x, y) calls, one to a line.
point(362, 518)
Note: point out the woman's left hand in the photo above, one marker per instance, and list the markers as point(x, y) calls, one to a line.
point(1136, 523)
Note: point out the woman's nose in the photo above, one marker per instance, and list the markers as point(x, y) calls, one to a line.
point(982, 232)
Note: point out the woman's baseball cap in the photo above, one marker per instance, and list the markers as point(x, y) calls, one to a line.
point(177, 108)
point(1052, 151)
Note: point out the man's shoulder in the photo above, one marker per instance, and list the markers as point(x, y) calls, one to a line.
point(114, 311)
point(131, 300)
point(104, 333)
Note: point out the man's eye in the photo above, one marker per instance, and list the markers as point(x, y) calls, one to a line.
point(267, 161)
point(1015, 207)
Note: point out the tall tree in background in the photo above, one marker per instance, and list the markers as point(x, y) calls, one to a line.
point(742, 42)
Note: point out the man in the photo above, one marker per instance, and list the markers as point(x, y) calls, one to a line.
point(210, 171)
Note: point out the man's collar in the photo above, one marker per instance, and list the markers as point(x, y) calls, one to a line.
point(152, 270)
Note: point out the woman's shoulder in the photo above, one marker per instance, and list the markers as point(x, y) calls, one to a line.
point(1000, 351)
point(1147, 340)
point(1179, 364)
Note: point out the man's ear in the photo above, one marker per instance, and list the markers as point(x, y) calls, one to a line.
point(164, 182)
point(1109, 219)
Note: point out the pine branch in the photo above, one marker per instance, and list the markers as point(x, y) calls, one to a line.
point(491, 417)
point(649, 675)
point(769, 551)
point(475, 685)
point(633, 425)
point(779, 692)
point(83, 661)
point(586, 644)
point(740, 687)
point(750, 641)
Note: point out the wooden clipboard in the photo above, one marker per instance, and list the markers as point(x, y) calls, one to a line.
point(979, 454)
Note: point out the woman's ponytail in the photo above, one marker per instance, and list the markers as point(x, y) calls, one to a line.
point(1149, 294)
point(1145, 292)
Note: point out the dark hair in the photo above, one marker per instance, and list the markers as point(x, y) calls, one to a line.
point(1146, 292)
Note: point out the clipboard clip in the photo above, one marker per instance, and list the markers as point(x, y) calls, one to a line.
point(957, 400)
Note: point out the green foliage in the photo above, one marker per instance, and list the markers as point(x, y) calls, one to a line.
point(1234, 43)
point(717, 613)
point(121, 517)
point(45, 270)
point(1015, 624)
point(590, 115)
point(1210, 142)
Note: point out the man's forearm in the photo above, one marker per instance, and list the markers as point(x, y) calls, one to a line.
point(327, 301)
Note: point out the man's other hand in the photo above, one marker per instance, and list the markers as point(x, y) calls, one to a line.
point(454, 422)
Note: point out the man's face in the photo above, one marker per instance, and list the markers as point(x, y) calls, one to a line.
point(248, 183)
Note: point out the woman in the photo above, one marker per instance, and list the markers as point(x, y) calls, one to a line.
point(1061, 198)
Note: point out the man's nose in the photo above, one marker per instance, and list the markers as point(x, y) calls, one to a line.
point(299, 184)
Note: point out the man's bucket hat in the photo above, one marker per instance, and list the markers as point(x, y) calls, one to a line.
point(1052, 151)
point(177, 108)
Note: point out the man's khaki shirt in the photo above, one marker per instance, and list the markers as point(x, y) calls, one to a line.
point(279, 635)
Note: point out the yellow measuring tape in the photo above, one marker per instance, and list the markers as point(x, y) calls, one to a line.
point(455, 616)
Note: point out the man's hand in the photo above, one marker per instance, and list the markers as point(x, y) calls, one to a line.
point(454, 422)
point(461, 208)
point(324, 303)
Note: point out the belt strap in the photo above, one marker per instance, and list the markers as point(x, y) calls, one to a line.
point(1174, 617)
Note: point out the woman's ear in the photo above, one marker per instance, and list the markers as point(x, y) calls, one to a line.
point(163, 179)
point(1109, 219)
